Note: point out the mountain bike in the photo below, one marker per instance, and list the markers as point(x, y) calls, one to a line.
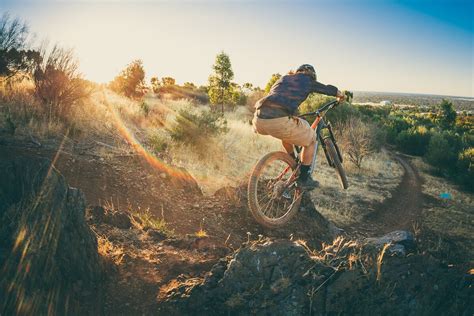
point(273, 194)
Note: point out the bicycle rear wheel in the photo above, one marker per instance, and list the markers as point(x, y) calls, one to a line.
point(273, 198)
point(336, 163)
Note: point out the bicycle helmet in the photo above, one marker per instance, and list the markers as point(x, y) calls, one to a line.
point(308, 69)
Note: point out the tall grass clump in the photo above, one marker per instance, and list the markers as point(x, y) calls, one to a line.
point(197, 128)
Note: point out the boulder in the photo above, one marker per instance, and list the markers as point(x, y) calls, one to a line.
point(263, 278)
point(51, 253)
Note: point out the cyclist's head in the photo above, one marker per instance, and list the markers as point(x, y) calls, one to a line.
point(307, 69)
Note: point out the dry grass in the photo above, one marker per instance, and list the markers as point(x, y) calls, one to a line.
point(145, 220)
point(107, 249)
point(451, 218)
point(230, 157)
point(201, 233)
point(378, 176)
point(380, 261)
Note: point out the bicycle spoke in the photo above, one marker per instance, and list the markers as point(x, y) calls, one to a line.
point(274, 190)
point(268, 206)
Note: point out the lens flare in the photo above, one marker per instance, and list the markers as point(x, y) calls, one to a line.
point(150, 158)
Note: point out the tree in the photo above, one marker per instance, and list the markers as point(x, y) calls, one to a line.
point(271, 82)
point(58, 84)
point(15, 57)
point(443, 150)
point(447, 115)
point(155, 84)
point(190, 85)
point(131, 81)
point(356, 140)
point(247, 86)
point(168, 81)
point(238, 95)
point(220, 88)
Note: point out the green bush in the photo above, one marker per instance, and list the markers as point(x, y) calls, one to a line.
point(442, 151)
point(376, 113)
point(158, 143)
point(145, 108)
point(339, 114)
point(394, 125)
point(197, 128)
point(414, 141)
point(465, 168)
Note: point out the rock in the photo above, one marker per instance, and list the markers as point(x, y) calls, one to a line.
point(156, 235)
point(118, 219)
point(281, 278)
point(97, 212)
point(50, 247)
point(264, 278)
point(400, 242)
point(112, 217)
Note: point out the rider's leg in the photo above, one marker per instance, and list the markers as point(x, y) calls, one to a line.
point(288, 147)
point(305, 180)
point(308, 152)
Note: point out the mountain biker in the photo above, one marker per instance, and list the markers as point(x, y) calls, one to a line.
point(275, 112)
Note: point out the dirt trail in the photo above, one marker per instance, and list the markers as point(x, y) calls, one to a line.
point(400, 211)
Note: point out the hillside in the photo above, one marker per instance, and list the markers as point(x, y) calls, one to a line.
point(177, 241)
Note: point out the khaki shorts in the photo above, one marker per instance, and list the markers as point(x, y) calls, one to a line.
point(291, 130)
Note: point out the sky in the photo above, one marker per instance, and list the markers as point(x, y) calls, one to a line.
point(416, 46)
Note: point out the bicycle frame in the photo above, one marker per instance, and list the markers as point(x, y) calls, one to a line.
point(318, 125)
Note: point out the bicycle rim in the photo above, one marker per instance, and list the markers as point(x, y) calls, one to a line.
point(273, 196)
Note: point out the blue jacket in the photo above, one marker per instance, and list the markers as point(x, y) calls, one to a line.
point(289, 92)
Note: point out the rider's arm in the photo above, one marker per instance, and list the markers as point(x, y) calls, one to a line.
point(318, 87)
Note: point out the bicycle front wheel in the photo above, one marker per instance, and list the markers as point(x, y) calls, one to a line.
point(336, 163)
point(273, 197)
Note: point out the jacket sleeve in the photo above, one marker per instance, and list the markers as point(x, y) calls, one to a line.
point(324, 89)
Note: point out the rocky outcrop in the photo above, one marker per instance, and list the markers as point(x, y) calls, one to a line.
point(286, 278)
point(49, 252)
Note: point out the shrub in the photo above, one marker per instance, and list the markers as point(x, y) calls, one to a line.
point(394, 125)
point(253, 97)
point(197, 128)
point(155, 84)
point(414, 141)
point(131, 81)
point(356, 140)
point(57, 82)
point(338, 115)
point(168, 81)
point(158, 143)
point(442, 151)
point(16, 58)
point(447, 115)
point(274, 78)
point(376, 113)
point(343, 113)
point(145, 108)
point(465, 168)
